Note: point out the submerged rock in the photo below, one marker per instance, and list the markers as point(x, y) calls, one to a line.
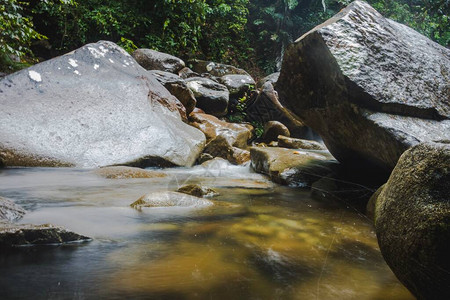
point(9, 211)
point(293, 143)
point(154, 60)
point(124, 172)
point(26, 235)
point(197, 191)
point(296, 168)
point(211, 96)
point(273, 129)
point(170, 199)
point(70, 111)
point(412, 220)
point(371, 87)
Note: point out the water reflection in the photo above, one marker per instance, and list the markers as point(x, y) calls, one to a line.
point(260, 241)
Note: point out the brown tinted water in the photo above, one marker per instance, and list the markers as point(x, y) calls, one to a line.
point(260, 241)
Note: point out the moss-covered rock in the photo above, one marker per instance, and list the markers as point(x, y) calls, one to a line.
point(412, 220)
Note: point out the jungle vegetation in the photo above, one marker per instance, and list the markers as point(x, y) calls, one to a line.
point(248, 33)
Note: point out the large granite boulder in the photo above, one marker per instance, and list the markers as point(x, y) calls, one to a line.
point(215, 69)
point(221, 147)
point(369, 86)
point(197, 191)
point(13, 235)
point(211, 96)
point(177, 87)
point(92, 107)
point(155, 60)
point(412, 220)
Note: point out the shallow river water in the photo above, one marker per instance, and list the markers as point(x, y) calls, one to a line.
point(261, 241)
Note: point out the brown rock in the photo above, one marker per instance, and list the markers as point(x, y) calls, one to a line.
point(293, 143)
point(296, 168)
point(197, 190)
point(237, 135)
point(273, 129)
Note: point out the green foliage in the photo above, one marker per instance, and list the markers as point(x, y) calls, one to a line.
point(16, 30)
point(251, 34)
point(127, 44)
point(240, 115)
point(429, 17)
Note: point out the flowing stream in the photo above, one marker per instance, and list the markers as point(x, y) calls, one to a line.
point(263, 241)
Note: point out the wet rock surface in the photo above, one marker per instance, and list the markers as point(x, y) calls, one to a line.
point(412, 220)
point(221, 147)
point(155, 60)
point(26, 235)
point(170, 199)
point(124, 172)
point(197, 191)
point(292, 167)
point(293, 143)
point(273, 129)
point(237, 135)
point(48, 120)
point(361, 75)
point(9, 211)
point(211, 96)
